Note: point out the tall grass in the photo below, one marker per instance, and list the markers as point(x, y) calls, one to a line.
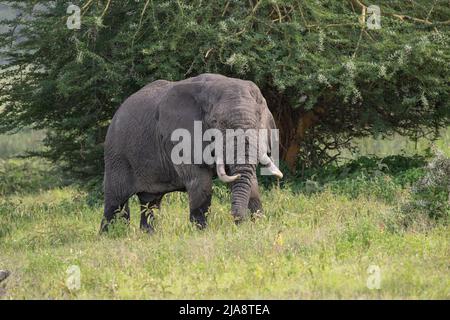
point(315, 241)
point(307, 246)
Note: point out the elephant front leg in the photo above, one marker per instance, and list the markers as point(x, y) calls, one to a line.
point(198, 211)
point(200, 200)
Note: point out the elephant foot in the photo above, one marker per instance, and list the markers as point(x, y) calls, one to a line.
point(112, 214)
point(148, 229)
point(146, 224)
point(104, 226)
point(199, 220)
point(198, 216)
point(257, 215)
point(238, 218)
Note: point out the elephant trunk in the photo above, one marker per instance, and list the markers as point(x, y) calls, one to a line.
point(246, 156)
point(240, 189)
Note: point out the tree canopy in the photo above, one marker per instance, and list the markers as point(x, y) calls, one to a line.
point(327, 76)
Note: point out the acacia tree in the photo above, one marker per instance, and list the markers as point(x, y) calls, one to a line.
point(327, 76)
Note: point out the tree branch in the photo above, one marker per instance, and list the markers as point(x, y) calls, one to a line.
point(401, 17)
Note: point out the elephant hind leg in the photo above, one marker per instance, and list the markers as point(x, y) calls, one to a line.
point(118, 187)
point(148, 202)
point(114, 210)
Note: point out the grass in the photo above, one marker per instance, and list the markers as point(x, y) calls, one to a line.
point(315, 242)
point(317, 245)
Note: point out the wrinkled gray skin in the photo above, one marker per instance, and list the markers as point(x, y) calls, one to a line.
point(138, 146)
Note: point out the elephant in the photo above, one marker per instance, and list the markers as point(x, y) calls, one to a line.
point(138, 147)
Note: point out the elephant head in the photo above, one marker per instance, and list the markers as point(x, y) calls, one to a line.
point(238, 106)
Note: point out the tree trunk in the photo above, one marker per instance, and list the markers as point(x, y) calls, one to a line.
point(297, 134)
point(292, 123)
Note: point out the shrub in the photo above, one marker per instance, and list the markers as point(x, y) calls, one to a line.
point(431, 194)
point(381, 178)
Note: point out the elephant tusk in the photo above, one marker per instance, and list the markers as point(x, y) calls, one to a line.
point(220, 167)
point(268, 163)
point(223, 175)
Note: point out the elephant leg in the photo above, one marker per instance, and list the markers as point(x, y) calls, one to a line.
point(124, 213)
point(113, 210)
point(118, 189)
point(254, 204)
point(200, 191)
point(148, 202)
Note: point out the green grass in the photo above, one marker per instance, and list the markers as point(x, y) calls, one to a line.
point(317, 239)
point(308, 245)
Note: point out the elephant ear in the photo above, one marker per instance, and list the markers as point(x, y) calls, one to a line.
point(271, 121)
point(269, 124)
point(255, 92)
point(180, 108)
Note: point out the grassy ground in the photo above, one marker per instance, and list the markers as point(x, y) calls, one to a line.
point(317, 244)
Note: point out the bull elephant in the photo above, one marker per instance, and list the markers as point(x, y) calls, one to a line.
point(138, 147)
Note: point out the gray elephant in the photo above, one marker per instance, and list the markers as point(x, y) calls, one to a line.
point(138, 146)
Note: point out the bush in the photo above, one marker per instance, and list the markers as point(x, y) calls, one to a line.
point(431, 194)
point(27, 175)
point(403, 169)
point(382, 178)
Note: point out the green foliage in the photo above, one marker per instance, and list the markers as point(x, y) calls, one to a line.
point(431, 194)
point(398, 144)
point(19, 176)
point(303, 55)
point(381, 178)
point(371, 165)
point(371, 176)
